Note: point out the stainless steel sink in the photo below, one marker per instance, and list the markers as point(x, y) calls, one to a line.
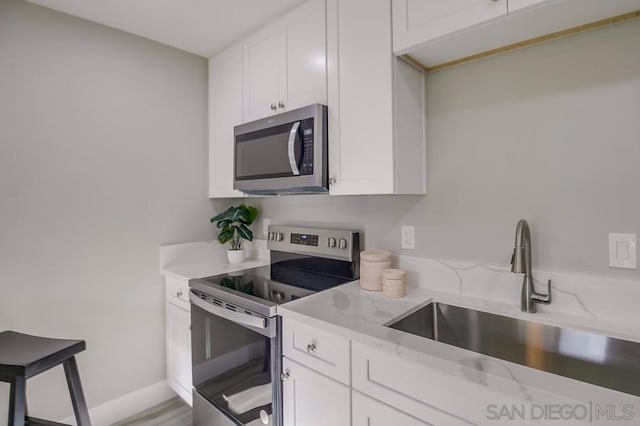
point(588, 357)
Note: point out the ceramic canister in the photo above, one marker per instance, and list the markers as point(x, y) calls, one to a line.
point(372, 263)
point(394, 283)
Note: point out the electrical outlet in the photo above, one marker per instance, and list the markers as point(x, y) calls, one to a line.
point(408, 237)
point(622, 251)
point(265, 226)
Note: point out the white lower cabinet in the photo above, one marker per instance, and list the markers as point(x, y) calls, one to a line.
point(312, 399)
point(178, 338)
point(369, 412)
point(374, 388)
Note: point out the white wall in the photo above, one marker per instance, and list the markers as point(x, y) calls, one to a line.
point(549, 133)
point(103, 157)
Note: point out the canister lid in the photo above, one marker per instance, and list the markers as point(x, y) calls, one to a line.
point(375, 255)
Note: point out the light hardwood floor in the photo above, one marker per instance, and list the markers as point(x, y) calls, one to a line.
point(174, 412)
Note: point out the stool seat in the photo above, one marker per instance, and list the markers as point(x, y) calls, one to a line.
point(23, 355)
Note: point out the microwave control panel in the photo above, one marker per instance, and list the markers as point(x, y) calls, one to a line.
point(306, 165)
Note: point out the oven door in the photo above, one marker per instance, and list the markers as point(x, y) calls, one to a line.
point(236, 358)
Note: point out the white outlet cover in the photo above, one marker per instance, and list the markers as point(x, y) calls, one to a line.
point(622, 251)
point(265, 226)
point(408, 237)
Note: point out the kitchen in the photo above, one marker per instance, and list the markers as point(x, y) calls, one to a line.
point(548, 133)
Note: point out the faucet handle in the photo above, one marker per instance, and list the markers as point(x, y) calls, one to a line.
point(545, 299)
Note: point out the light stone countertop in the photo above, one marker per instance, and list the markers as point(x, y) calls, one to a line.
point(206, 258)
point(361, 316)
point(207, 269)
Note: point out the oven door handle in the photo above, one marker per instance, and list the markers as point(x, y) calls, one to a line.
point(237, 317)
point(291, 148)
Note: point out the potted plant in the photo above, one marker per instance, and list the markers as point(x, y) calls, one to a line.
point(233, 224)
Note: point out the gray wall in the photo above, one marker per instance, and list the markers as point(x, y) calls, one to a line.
point(549, 133)
point(102, 159)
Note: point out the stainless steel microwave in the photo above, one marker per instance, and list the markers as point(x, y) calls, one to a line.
point(282, 154)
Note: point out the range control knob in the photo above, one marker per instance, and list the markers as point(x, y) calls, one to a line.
point(279, 236)
point(342, 243)
point(332, 242)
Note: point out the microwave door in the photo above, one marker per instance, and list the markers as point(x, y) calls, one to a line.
point(294, 142)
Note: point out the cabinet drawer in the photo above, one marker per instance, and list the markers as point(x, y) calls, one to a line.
point(369, 412)
point(177, 292)
point(422, 392)
point(316, 349)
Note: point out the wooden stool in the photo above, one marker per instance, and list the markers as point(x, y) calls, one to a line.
point(23, 356)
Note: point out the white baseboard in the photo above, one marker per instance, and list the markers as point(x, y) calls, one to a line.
point(126, 406)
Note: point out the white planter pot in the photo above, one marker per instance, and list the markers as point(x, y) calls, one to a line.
point(235, 256)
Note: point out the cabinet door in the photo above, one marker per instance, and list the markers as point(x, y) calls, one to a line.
point(370, 412)
point(225, 111)
point(306, 55)
point(264, 72)
point(179, 351)
point(360, 97)
point(311, 399)
point(419, 21)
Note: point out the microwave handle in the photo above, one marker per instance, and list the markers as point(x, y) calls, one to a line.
point(291, 148)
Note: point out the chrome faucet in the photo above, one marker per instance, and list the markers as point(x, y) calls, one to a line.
point(521, 264)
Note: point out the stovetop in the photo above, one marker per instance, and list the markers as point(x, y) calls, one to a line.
point(262, 289)
point(256, 283)
point(303, 261)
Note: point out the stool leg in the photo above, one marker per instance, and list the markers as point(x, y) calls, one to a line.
point(17, 402)
point(75, 389)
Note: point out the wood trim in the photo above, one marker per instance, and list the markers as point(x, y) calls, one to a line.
point(525, 43)
point(414, 62)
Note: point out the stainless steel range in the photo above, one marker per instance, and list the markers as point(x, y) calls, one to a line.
point(235, 330)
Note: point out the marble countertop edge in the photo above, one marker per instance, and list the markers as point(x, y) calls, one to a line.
point(362, 316)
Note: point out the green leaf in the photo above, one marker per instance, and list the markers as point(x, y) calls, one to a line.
point(245, 233)
point(225, 236)
point(249, 214)
point(223, 223)
point(225, 215)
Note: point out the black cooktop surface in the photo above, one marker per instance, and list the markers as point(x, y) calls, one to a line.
point(289, 277)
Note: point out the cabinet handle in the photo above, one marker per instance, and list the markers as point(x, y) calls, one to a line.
point(332, 181)
point(281, 105)
point(273, 107)
point(311, 348)
point(284, 376)
point(179, 294)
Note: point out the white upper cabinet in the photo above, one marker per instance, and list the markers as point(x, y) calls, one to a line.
point(437, 32)
point(285, 63)
point(416, 21)
point(376, 105)
point(264, 72)
point(307, 55)
point(225, 112)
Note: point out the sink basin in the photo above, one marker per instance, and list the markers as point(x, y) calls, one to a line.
point(588, 357)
